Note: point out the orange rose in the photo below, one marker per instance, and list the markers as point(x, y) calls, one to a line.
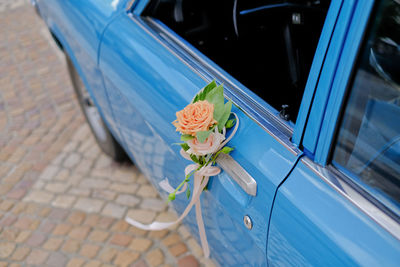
point(195, 117)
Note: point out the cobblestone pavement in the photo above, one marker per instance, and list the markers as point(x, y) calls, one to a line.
point(61, 200)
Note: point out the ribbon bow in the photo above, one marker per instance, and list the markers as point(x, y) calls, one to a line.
point(201, 178)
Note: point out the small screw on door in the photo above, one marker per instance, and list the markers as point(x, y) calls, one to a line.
point(247, 222)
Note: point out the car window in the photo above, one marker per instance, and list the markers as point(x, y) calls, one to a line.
point(368, 143)
point(266, 45)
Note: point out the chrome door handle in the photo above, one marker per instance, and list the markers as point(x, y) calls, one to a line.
point(240, 175)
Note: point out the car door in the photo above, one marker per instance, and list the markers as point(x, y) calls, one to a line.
point(340, 204)
point(150, 73)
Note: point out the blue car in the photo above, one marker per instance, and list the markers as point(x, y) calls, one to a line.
point(315, 175)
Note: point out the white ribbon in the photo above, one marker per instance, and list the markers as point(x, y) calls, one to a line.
point(201, 178)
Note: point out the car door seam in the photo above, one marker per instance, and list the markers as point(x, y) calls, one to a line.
point(300, 156)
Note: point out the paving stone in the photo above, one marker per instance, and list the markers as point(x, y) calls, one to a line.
point(105, 222)
point(108, 254)
point(138, 232)
point(62, 175)
point(46, 227)
point(120, 240)
point(36, 239)
point(56, 259)
point(49, 173)
point(6, 249)
point(25, 223)
point(17, 193)
point(188, 261)
point(94, 263)
point(183, 231)
point(125, 258)
point(9, 234)
point(98, 236)
point(89, 205)
point(89, 251)
point(58, 214)
point(104, 194)
point(19, 207)
point(62, 229)
point(72, 160)
point(95, 183)
point(154, 204)
point(57, 187)
point(79, 233)
point(143, 216)
point(127, 200)
point(75, 262)
point(166, 216)
point(147, 191)
point(23, 236)
point(76, 217)
point(155, 257)
point(8, 220)
point(120, 226)
point(158, 234)
point(178, 249)
point(84, 192)
point(64, 201)
point(71, 246)
point(20, 253)
point(53, 243)
point(92, 220)
point(6, 205)
point(39, 196)
point(140, 244)
point(172, 240)
point(140, 263)
point(114, 210)
point(124, 188)
point(37, 257)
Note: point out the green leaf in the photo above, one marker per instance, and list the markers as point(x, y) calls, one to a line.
point(216, 96)
point(230, 123)
point(186, 137)
point(194, 158)
point(203, 135)
point(188, 193)
point(225, 115)
point(227, 149)
point(184, 146)
point(204, 92)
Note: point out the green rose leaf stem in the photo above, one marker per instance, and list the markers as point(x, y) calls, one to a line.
point(203, 125)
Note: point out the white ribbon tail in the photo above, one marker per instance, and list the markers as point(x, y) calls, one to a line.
point(202, 230)
point(234, 130)
point(200, 180)
point(166, 186)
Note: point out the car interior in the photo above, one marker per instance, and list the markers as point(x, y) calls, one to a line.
point(267, 45)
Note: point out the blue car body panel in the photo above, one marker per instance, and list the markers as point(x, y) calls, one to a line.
point(313, 225)
point(145, 98)
point(139, 78)
point(79, 26)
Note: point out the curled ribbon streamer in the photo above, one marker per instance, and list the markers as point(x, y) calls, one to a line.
point(201, 178)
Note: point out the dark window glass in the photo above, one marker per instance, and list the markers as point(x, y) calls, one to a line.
point(368, 146)
point(267, 45)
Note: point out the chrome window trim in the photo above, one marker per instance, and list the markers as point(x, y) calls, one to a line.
point(356, 197)
point(266, 119)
